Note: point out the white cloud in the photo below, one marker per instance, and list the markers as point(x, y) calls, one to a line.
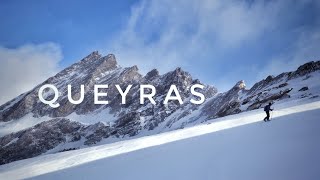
point(166, 34)
point(305, 49)
point(24, 67)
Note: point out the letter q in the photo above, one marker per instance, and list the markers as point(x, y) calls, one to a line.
point(55, 98)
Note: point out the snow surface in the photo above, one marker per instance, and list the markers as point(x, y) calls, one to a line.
point(103, 116)
point(234, 147)
point(25, 122)
point(29, 120)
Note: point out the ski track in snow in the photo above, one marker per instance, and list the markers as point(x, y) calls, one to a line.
point(101, 158)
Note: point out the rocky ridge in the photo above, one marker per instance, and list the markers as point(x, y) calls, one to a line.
point(132, 119)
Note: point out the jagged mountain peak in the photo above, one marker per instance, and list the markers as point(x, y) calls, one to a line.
point(312, 65)
point(129, 70)
point(134, 68)
point(91, 57)
point(151, 75)
point(130, 74)
point(305, 69)
point(105, 64)
point(110, 61)
point(182, 79)
point(269, 78)
point(233, 92)
point(240, 85)
point(178, 73)
point(94, 61)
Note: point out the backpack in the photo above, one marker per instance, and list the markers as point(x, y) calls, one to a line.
point(266, 108)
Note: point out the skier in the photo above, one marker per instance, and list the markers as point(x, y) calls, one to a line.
point(267, 109)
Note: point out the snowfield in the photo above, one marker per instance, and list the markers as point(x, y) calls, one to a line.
point(234, 147)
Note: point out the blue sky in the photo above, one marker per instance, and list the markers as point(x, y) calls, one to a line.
point(77, 26)
point(217, 41)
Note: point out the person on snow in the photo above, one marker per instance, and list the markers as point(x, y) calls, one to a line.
point(267, 109)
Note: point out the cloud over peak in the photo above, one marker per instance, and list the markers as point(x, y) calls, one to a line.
point(24, 67)
point(199, 34)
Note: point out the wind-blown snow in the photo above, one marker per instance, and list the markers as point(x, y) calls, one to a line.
point(93, 117)
point(286, 148)
point(29, 120)
point(23, 123)
point(13, 141)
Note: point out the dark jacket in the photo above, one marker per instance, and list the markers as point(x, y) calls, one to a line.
point(267, 108)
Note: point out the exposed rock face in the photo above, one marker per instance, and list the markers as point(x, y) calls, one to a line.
point(86, 72)
point(239, 99)
point(305, 69)
point(304, 88)
point(226, 103)
point(36, 140)
point(132, 119)
point(152, 75)
point(47, 135)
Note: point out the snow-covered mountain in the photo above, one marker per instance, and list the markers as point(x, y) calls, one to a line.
point(238, 146)
point(29, 128)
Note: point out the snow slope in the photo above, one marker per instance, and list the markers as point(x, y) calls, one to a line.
point(285, 148)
